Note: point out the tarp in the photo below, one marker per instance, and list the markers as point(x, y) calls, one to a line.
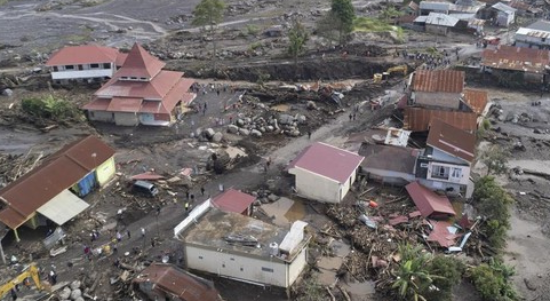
point(87, 184)
point(63, 207)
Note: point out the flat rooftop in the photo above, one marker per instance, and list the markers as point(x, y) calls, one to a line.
point(212, 229)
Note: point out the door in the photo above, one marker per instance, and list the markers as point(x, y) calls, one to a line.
point(87, 184)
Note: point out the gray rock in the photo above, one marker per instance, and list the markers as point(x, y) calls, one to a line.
point(75, 284)
point(257, 203)
point(77, 293)
point(261, 129)
point(79, 299)
point(217, 137)
point(244, 132)
point(256, 133)
point(272, 198)
point(269, 128)
point(294, 133)
point(285, 119)
point(537, 131)
point(65, 293)
point(301, 119)
point(198, 132)
point(311, 105)
point(240, 122)
point(233, 129)
point(209, 132)
point(7, 92)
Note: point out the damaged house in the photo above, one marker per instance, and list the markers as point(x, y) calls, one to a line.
point(324, 172)
point(535, 35)
point(140, 92)
point(235, 246)
point(51, 193)
point(516, 63)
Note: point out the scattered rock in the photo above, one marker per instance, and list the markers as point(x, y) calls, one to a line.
point(233, 129)
point(244, 132)
point(537, 131)
point(272, 198)
point(209, 132)
point(217, 137)
point(77, 293)
point(7, 92)
point(75, 285)
point(256, 133)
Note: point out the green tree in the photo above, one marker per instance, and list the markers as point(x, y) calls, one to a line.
point(492, 281)
point(390, 13)
point(340, 19)
point(495, 159)
point(208, 14)
point(449, 271)
point(298, 37)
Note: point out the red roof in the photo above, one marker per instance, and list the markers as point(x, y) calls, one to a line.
point(516, 58)
point(441, 234)
point(452, 140)
point(156, 88)
point(328, 161)
point(120, 59)
point(448, 81)
point(99, 104)
point(58, 172)
point(429, 202)
point(139, 63)
point(419, 119)
point(476, 100)
point(86, 54)
point(233, 201)
point(125, 104)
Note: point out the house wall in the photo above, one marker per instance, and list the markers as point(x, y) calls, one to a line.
point(155, 119)
point(436, 185)
point(437, 154)
point(126, 119)
point(102, 116)
point(390, 177)
point(316, 187)
point(297, 267)
point(436, 29)
point(522, 40)
point(464, 173)
point(504, 19)
point(106, 171)
point(440, 99)
point(82, 71)
point(248, 268)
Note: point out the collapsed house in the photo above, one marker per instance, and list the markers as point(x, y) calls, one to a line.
point(235, 246)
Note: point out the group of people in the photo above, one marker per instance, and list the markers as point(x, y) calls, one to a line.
point(433, 61)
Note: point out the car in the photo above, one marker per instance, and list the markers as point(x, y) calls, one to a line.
point(146, 188)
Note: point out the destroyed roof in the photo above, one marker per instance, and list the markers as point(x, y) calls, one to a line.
point(428, 202)
point(476, 99)
point(516, 58)
point(211, 229)
point(328, 161)
point(437, 19)
point(167, 279)
point(85, 54)
point(447, 81)
point(58, 172)
point(452, 140)
point(419, 119)
point(504, 8)
point(388, 157)
point(233, 201)
point(140, 64)
point(440, 234)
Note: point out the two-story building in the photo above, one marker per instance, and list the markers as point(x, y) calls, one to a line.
point(84, 63)
point(536, 35)
point(446, 160)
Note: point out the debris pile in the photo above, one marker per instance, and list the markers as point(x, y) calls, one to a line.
point(14, 166)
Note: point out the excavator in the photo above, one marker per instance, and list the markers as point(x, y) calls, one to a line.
point(30, 272)
point(378, 77)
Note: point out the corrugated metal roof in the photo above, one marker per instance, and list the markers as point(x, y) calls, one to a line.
point(85, 54)
point(436, 5)
point(233, 201)
point(63, 207)
point(388, 157)
point(58, 172)
point(438, 19)
point(448, 81)
point(516, 58)
point(327, 160)
point(169, 280)
point(476, 99)
point(504, 8)
point(419, 119)
point(452, 140)
point(125, 104)
point(541, 25)
point(441, 234)
point(429, 202)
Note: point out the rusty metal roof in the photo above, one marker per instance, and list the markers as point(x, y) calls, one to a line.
point(516, 58)
point(452, 140)
point(448, 81)
point(58, 172)
point(476, 100)
point(171, 281)
point(428, 202)
point(233, 201)
point(419, 119)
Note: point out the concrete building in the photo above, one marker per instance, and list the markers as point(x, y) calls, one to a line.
point(141, 93)
point(233, 200)
point(84, 63)
point(437, 89)
point(324, 172)
point(235, 246)
point(504, 15)
point(51, 193)
point(536, 35)
point(437, 23)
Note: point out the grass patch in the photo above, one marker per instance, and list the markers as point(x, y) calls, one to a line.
point(365, 24)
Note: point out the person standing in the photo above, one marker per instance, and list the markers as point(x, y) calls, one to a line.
point(202, 190)
point(152, 242)
point(186, 206)
point(129, 234)
point(309, 135)
point(118, 236)
point(143, 232)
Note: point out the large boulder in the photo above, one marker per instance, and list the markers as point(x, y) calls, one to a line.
point(217, 137)
point(209, 132)
point(75, 285)
point(244, 132)
point(7, 92)
point(77, 293)
point(233, 129)
point(285, 119)
point(256, 133)
point(65, 293)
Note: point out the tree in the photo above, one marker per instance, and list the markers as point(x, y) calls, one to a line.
point(495, 159)
point(492, 280)
point(208, 14)
point(449, 271)
point(298, 37)
point(390, 13)
point(340, 19)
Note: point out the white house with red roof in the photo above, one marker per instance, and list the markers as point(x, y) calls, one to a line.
point(140, 92)
point(324, 172)
point(87, 62)
point(234, 200)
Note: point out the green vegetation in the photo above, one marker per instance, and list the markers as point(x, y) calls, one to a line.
point(485, 126)
point(366, 24)
point(492, 280)
point(390, 13)
point(449, 271)
point(252, 29)
point(208, 14)
point(255, 45)
point(338, 23)
point(496, 160)
point(50, 108)
point(297, 38)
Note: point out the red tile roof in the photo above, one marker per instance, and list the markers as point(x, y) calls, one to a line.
point(327, 160)
point(156, 88)
point(58, 172)
point(139, 63)
point(476, 99)
point(419, 119)
point(86, 54)
point(98, 104)
point(448, 81)
point(452, 140)
point(121, 58)
point(233, 201)
point(516, 58)
point(167, 280)
point(428, 202)
point(125, 104)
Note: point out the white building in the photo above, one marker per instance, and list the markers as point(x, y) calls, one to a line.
point(536, 35)
point(88, 62)
point(235, 246)
point(324, 173)
point(505, 14)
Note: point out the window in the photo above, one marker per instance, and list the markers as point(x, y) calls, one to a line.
point(69, 67)
point(80, 67)
point(55, 69)
point(133, 77)
point(267, 270)
point(106, 66)
point(94, 66)
point(457, 173)
point(143, 78)
point(441, 172)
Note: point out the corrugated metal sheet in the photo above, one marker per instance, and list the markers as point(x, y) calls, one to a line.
point(63, 207)
point(452, 140)
point(504, 8)
point(125, 104)
point(233, 201)
point(448, 81)
point(476, 99)
point(169, 280)
point(419, 119)
point(516, 58)
point(429, 202)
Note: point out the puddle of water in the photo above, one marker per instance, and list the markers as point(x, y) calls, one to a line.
point(285, 210)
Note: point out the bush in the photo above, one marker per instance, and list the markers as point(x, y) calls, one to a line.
point(493, 281)
point(449, 271)
point(49, 108)
point(252, 29)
